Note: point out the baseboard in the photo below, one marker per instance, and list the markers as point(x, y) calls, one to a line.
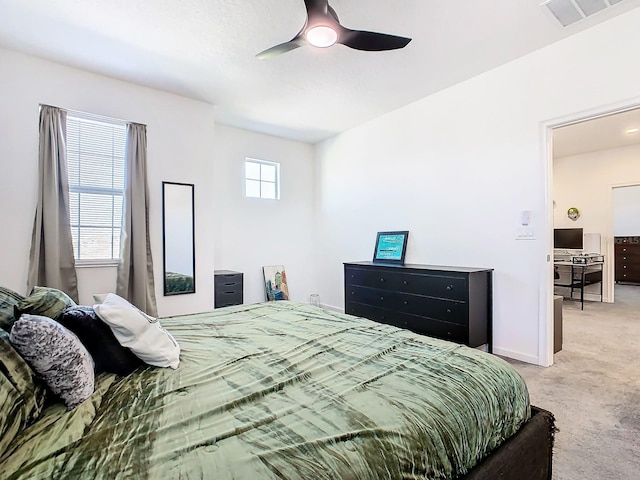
point(523, 357)
point(332, 308)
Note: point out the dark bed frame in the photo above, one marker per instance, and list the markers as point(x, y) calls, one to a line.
point(525, 456)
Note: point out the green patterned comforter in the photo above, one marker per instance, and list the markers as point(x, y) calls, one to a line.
point(283, 391)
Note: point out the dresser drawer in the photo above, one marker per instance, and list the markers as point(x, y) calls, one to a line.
point(441, 286)
point(435, 328)
point(415, 323)
point(375, 313)
point(440, 309)
point(627, 274)
point(228, 281)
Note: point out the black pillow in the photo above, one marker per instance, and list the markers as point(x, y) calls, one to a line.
point(97, 337)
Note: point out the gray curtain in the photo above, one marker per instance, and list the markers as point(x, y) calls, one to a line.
point(135, 273)
point(51, 260)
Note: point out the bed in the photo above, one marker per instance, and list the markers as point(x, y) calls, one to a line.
point(290, 391)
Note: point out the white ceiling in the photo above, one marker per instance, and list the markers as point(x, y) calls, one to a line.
point(204, 49)
point(602, 133)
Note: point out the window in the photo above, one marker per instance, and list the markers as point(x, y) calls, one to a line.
point(262, 179)
point(96, 163)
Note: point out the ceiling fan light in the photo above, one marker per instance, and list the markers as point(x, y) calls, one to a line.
point(322, 36)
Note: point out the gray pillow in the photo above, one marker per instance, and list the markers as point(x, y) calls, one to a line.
point(57, 355)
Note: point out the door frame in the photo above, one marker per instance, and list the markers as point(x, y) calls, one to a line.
point(545, 324)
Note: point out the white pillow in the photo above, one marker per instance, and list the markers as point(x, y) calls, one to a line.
point(99, 297)
point(138, 331)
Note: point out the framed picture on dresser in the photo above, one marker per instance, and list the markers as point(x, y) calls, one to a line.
point(391, 247)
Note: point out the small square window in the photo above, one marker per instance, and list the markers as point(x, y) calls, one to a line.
point(262, 179)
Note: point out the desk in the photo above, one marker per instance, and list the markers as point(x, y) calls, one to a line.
point(582, 274)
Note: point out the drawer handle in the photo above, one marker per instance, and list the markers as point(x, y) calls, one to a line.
point(449, 287)
point(382, 279)
point(448, 310)
point(381, 298)
point(229, 284)
point(406, 303)
point(405, 282)
point(624, 266)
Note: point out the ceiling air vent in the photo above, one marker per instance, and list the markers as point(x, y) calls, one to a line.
point(571, 11)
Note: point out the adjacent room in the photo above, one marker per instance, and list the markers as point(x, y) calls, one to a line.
point(311, 239)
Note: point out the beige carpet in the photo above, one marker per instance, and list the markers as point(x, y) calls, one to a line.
point(593, 389)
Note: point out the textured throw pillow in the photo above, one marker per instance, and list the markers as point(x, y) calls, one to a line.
point(8, 300)
point(108, 354)
point(57, 355)
point(45, 301)
point(140, 332)
point(22, 395)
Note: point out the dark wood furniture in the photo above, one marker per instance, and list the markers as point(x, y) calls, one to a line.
point(627, 260)
point(452, 303)
point(227, 288)
point(557, 323)
point(528, 455)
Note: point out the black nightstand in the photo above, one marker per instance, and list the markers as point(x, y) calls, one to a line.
point(227, 286)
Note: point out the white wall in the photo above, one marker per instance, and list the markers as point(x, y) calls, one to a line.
point(180, 135)
point(585, 181)
point(458, 167)
point(626, 209)
point(253, 232)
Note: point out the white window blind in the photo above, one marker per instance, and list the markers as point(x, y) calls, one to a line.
point(262, 179)
point(96, 163)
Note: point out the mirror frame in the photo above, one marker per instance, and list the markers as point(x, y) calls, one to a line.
point(166, 289)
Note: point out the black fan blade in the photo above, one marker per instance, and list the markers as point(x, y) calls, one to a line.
point(279, 49)
point(316, 6)
point(371, 41)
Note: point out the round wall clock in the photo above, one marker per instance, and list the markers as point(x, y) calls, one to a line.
point(573, 213)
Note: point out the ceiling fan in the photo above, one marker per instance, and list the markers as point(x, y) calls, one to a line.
point(322, 29)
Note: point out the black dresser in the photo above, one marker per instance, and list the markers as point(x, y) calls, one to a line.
point(627, 260)
point(227, 288)
point(452, 303)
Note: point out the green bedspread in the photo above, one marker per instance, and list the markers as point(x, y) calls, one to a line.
point(283, 391)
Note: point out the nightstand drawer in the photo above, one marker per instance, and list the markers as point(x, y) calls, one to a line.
point(228, 288)
point(225, 299)
point(228, 280)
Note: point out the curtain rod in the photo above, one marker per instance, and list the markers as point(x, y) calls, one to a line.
point(93, 116)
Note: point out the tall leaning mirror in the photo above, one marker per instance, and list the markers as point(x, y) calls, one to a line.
point(178, 233)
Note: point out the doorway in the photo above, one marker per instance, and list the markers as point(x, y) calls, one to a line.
point(626, 234)
point(589, 159)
